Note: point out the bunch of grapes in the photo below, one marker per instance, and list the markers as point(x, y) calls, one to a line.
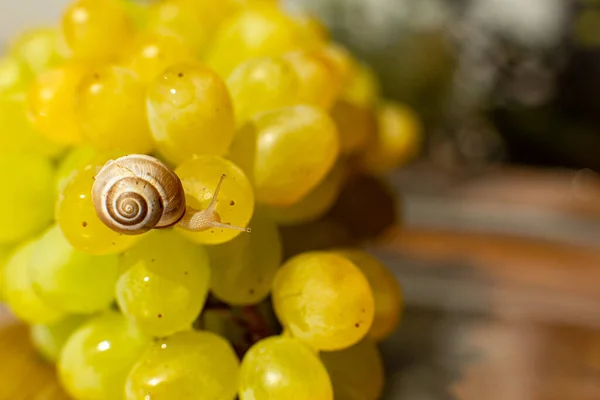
point(207, 120)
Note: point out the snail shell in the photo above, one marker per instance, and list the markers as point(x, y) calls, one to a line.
point(137, 193)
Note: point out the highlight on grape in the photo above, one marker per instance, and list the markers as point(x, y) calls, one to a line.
point(236, 268)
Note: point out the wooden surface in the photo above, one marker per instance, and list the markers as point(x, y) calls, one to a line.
point(497, 309)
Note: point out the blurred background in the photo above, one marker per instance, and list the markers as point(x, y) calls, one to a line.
point(498, 252)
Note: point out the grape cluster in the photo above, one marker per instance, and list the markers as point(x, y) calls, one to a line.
point(265, 123)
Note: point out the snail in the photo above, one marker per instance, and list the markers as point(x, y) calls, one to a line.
point(137, 193)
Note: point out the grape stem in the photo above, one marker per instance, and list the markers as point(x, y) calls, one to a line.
point(201, 220)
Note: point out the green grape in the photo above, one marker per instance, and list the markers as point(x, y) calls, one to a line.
point(18, 291)
point(95, 360)
point(5, 253)
point(323, 299)
point(286, 153)
point(316, 203)
point(164, 283)
point(51, 103)
point(94, 29)
point(320, 82)
point(235, 201)
point(150, 54)
point(386, 292)
point(243, 268)
point(13, 75)
point(17, 134)
point(258, 31)
point(356, 125)
point(111, 110)
point(75, 159)
point(40, 49)
point(192, 365)
point(362, 88)
point(77, 218)
point(69, 279)
point(190, 112)
point(283, 368)
point(262, 84)
point(397, 139)
point(27, 196)
point(356, 372)
point(49, 339)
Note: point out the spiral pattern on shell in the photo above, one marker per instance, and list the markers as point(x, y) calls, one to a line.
point(137, 193)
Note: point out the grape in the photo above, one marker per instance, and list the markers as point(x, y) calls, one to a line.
point(94, 29)
point(5, 253)
point(283, 368)
point(356, 125)
point(311, 32)
point(397, 140)
point(357, 372)
point(17, 134)
point(262, 84)
point(95, 360)
point(75, 160)
point(362, 88)
point(258, 31)
point(286, 152)
point(137, 11)
point(40, 49)
point(13, 75)
point(323, 299)
point(386, 292)
point(164, 284)
point(319, 78)
point(340, 59)
point(243, 268)
point(316, 203)
point(77, 218)
point(26, 200)
point(52, 103)
point(151, 54)
point(112, 112)
point(69, 279)
point(18, 291)
point(193, 365)
point(190, 112)
point(235, 205)
point(49, 339)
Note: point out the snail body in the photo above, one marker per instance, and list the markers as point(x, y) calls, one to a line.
point(136, 193)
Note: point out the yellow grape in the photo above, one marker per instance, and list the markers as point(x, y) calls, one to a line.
point(386, 291)
point(164, 283)
point(27, 196)
point(258, 31)
point(356, 125)
point(68, 167)
point(323, 299)
point(235, 206)
point(13, 75)
point(94, 29)
point(17, 134)
point(40, 49)
point(52, 103)
point(77, 217)
point(243, 268)
point(95, 360)
point(397, 140)
point(362, 89)
point(150, 54)
point(311, 31)
point(286, 152)
point(320, 82)
point(193, 365)
point(315, 204)
point(138, 12)
point(283, 368)
point(111, 110)
point(262, 84)
point(19, 294)
point(49, 339)
point(357, 372)
point(69, 279)
point(340, 59)
point(190, 112)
